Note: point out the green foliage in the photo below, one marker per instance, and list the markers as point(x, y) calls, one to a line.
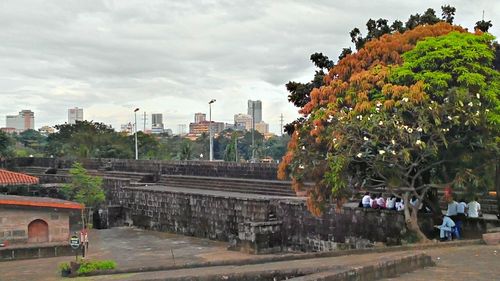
point(64, 266)
point(84, 188)
point(88, 266)
point(6, 145)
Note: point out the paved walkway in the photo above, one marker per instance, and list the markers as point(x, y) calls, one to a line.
point(129, 247)
point(474, 262)
point(478, 263)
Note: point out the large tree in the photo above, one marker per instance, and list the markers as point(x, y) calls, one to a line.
point(407, 112)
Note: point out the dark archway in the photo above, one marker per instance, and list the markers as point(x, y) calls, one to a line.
point(38, 231)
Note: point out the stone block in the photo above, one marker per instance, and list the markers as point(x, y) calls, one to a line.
point(491, 238)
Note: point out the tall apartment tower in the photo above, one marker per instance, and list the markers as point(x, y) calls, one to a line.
point(75, 114)
point(22, 122)
point(255, 110)
point(157, 123)
point(200, 117)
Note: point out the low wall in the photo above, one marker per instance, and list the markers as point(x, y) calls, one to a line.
point(189, 168)
point(219, 217)
point(20, 253)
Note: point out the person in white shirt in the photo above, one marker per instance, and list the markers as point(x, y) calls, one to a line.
point(365, 201)
point(446, 228)
point(400, 205)
point(391, 203)
point(473, 208)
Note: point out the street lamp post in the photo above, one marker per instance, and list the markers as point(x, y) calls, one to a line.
point(135, 129)
point(210, 129)
point(253, 133)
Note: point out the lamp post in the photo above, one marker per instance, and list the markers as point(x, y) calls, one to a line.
point(210, 129)
point(135, 129)
point(253, 133)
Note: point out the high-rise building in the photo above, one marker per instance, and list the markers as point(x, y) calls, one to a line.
point(22, 122)
point(157, 123)
point(75, 114)
point(255, 110)
point(199, 117)
point(243, 120)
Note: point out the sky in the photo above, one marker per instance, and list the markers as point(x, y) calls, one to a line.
point(172, 57)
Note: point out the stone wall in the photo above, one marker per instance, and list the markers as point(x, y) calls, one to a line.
point(36, 252)
point(220, 217)
point(190, 168)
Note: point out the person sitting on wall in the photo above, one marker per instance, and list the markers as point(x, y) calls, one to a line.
point(391, 203)
point(399, 205)
point(373, 201)
point(380, 201)
point(365, 201)
point(446, 229)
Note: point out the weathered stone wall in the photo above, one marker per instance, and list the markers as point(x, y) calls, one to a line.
point(218, 217)
point(190, 168)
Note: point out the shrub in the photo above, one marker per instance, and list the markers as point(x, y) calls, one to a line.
point(64, 266)
point(91, 266)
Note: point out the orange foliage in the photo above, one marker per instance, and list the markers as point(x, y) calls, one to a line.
point(357, 70)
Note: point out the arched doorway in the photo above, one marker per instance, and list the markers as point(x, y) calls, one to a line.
point(38, 231)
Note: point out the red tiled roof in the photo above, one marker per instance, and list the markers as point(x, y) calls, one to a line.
point(13, 178)
point(38, 202)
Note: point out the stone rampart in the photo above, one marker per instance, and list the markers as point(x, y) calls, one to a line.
point(189, 168)
point(220, 216)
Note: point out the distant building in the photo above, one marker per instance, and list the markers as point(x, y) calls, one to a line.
point(25, 120)
point(157, 126)
point(127, 128)
point(8, 130)
point(75, 114)
point(243, 120)
point(199, 117)
point(235, 126)
point(255, 110)
point(46, 130)
point(202, 127)
point(262, 127)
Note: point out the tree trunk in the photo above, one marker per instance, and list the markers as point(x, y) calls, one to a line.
point(411, 219)
point(497, 185)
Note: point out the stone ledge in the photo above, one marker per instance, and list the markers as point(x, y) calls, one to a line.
point(385, 269)
point(289, 257)
point(492, 238)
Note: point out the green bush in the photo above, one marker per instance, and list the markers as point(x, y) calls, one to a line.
point(64, 266)
point(91, 266)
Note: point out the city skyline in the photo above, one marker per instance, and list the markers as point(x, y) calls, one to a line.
point(98, 54)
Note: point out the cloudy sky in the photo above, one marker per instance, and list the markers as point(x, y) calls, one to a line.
point(172, 57)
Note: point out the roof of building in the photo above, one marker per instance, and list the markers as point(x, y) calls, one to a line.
point(13, 178)
point(38, 202)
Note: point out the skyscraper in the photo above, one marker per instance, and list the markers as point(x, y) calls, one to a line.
point(22, 122)
point(157, 123)
point(75, 114)
point(255, 110)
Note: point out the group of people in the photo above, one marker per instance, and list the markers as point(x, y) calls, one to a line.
point(453, 220)
point(455, 215)
point(377, 201)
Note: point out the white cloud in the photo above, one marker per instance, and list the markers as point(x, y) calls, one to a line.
point(173, 56)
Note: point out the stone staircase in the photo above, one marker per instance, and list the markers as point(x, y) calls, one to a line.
point(132, 176)
point(263, 187)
